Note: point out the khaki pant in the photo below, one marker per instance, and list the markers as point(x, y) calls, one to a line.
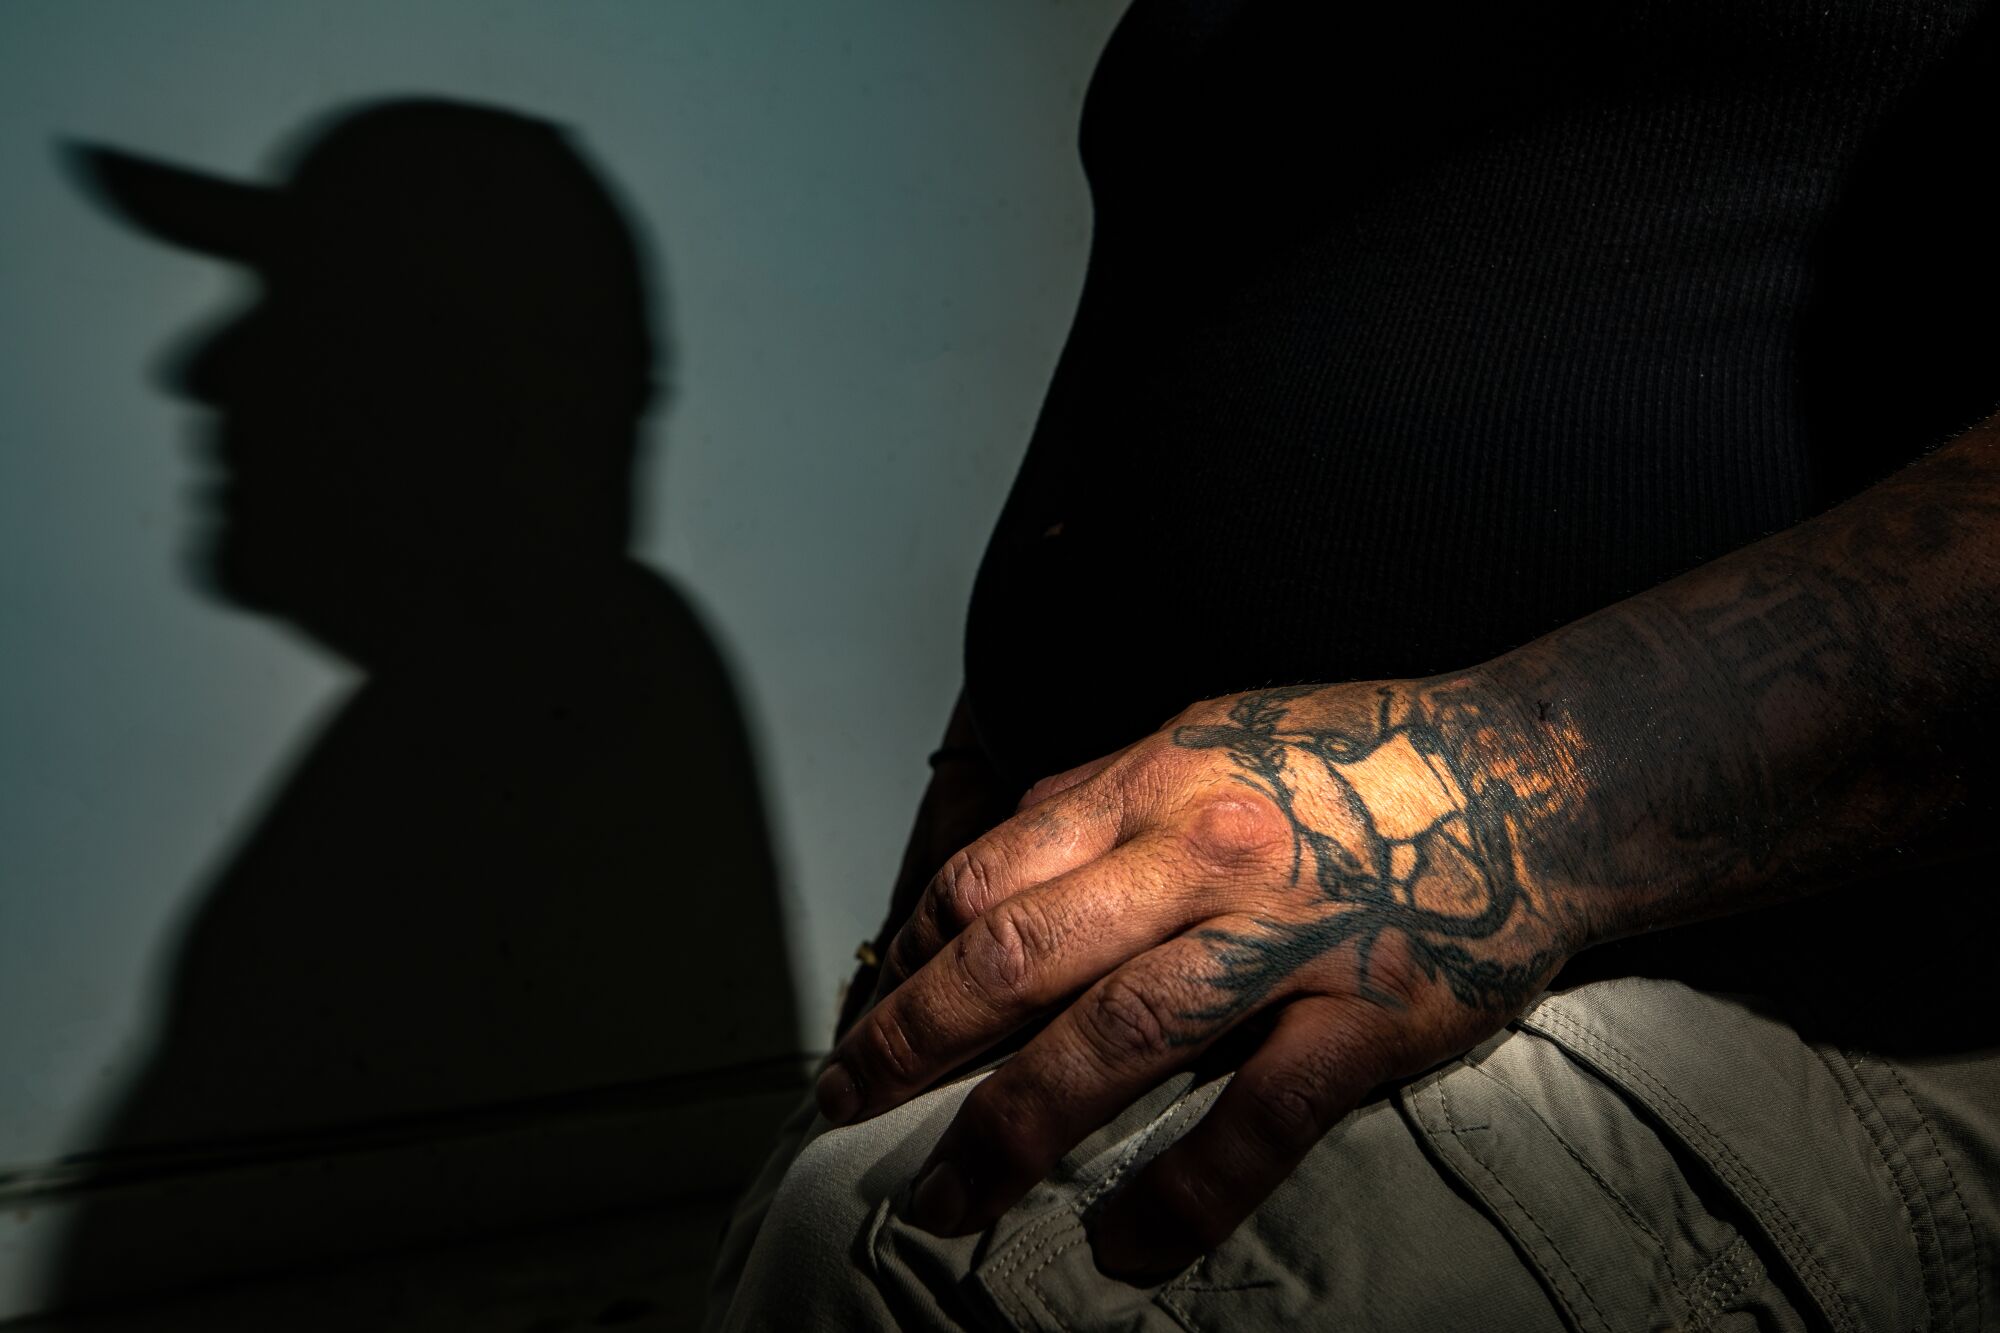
point(1631, 1154)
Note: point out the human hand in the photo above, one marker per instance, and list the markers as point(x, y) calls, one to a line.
point(964, 798)
point(1345, 865)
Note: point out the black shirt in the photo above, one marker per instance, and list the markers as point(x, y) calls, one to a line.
point(1413, 332)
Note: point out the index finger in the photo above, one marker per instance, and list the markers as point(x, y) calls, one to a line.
point(1075, 826)
point(1019, 958)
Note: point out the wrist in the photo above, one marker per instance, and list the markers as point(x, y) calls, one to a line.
point(1531, 769)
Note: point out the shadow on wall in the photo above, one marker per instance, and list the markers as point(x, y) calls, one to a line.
point(527, 859)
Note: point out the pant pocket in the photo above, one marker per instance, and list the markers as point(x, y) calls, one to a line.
point(1623, 1227)
point(1367, 1234)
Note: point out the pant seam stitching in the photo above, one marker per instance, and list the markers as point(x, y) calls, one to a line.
point(1035, 1239)
point(1033, 1279)
point(1611, 1192)
point(1898, 1166)
point(1951, 1179)
point(1180, 1312)
point(1721, 1281)
point(1548, 1242)
point(1730, 1164)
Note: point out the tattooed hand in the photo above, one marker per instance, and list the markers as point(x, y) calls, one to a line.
point(1333, 872)
point(1333, 887)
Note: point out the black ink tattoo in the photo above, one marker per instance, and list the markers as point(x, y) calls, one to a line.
point(1815, 707)
point(1444, 879)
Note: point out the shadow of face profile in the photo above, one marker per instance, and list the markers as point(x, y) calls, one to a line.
point(441, 375)
point(525, 863)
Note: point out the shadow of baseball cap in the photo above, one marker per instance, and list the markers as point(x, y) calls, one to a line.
point(483, 221)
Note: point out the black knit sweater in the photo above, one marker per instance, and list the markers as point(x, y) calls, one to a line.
point(1412, 332)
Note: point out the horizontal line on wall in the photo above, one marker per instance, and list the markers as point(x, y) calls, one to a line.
point(118, 1167)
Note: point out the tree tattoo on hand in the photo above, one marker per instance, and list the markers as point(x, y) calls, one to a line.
point(1436, 863)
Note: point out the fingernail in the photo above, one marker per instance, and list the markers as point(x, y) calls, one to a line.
point(938, 1205)
point(836, 1094)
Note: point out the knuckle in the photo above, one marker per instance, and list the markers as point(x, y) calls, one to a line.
point(1231, 831)
point(901, 958)
point(960, 891)
point(1148, 765)
point(1130, 1022)
point(887, 1048)
point(1285, 1114)
point(1142, 778)
point(1001, 949)
point(1042, 790)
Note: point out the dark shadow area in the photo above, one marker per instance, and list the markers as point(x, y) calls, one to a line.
point(526, 861)
point(1899, 350)
point(1899, 353)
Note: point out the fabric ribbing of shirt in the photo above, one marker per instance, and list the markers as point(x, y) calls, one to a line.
point(1409, 335)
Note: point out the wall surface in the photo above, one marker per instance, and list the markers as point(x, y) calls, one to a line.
point(867, 229)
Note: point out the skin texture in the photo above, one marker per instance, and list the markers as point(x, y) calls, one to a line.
point(964, 799)
point(1331, 887)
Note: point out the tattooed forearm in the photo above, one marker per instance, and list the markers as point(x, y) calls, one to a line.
point(1787, 716)
point(1764, 726)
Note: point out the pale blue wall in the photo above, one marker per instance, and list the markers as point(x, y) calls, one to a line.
point(873, 229)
